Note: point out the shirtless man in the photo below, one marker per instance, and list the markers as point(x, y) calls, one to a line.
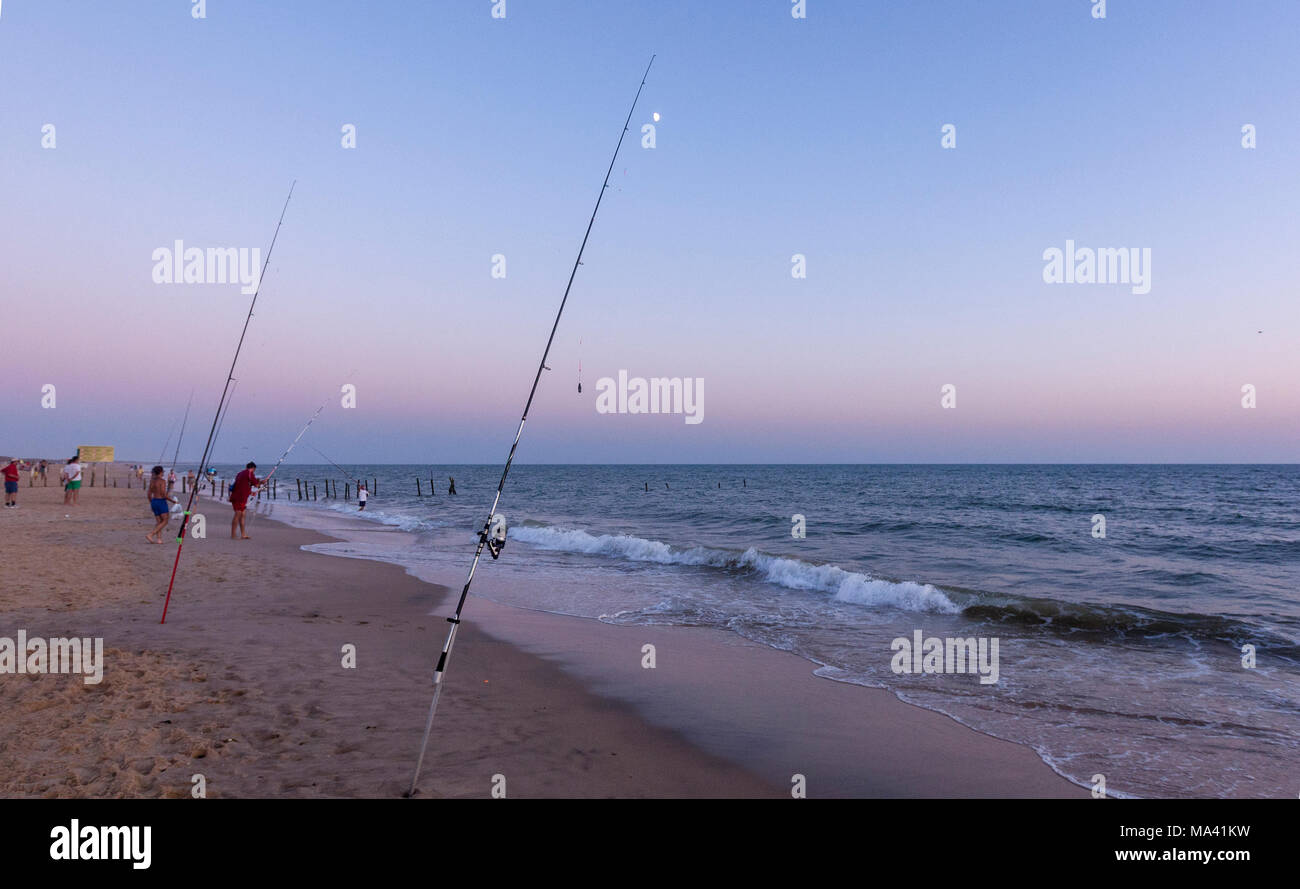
point(160, 502)
point(239, 493)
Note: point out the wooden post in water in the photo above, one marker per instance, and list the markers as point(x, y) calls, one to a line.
point(313, 493)
point(223, 489)
point(347, 491)
point(417, 488)
point(432, 490)
point(374, 487)
point(299, 481)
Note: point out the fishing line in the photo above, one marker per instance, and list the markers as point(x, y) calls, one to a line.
point(177, 453)
point(216, 418)
point(166, 443)
point(494, 531)
point(347, 475)
point(222, 423)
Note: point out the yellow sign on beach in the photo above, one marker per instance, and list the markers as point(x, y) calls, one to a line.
point(95, 454)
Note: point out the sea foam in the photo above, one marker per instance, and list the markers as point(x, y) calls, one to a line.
point(845, 586)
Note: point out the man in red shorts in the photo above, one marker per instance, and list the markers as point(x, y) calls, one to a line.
point(240, 490)
point(11, 483)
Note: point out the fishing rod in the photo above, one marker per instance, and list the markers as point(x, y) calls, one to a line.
point(494, 531)
point(177, 453)
point(301, 432)
point(212, 432)
point(295, 441)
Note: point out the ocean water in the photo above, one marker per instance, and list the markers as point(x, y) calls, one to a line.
point(1120, 656)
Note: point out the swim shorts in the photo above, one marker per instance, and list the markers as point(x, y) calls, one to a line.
point(74, 486)
point(11, 487)
point(160, 505)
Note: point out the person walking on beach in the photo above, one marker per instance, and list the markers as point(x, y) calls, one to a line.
point(361, 496)
point(11, 483)
point(171, 480)
point(240, 489)
point(70, 475)
point(160, 500)
point(44, 466)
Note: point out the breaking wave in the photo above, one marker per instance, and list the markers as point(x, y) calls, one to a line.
point(845, 586)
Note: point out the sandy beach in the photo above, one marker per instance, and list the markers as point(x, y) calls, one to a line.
point(245, 685)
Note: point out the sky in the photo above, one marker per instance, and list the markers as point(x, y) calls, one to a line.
point(822, 136)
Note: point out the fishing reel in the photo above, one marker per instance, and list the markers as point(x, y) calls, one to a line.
point(495, 534)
